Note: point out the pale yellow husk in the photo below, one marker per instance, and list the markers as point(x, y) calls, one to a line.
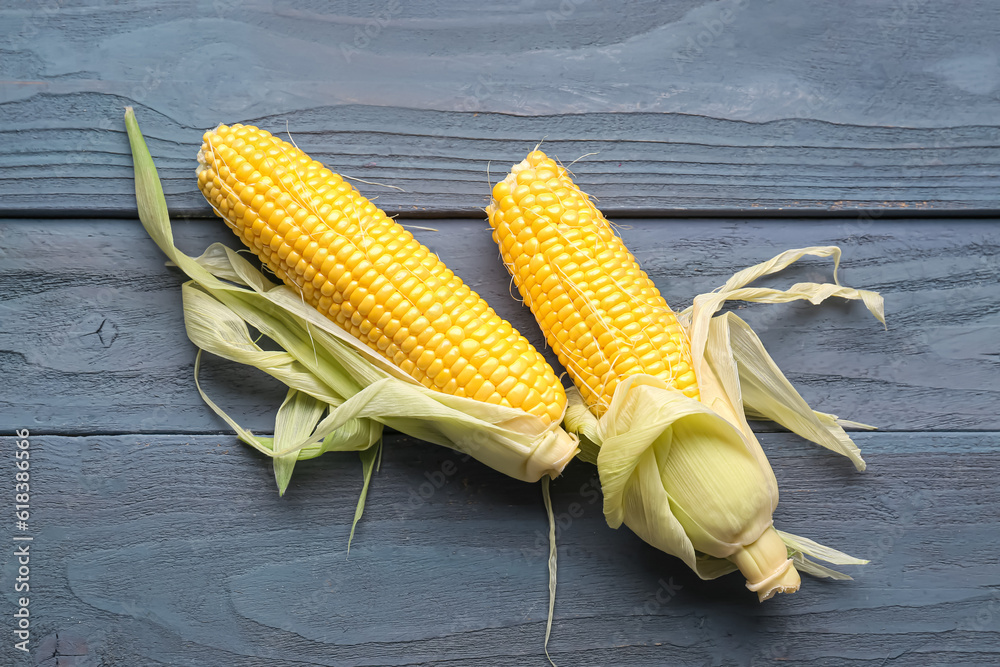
point(341, 393)
point(690, 477)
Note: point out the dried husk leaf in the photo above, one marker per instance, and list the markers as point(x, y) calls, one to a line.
point(297, 417)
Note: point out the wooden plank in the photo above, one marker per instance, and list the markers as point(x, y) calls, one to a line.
point(694, 105)
point(176, 550)
point(91, 325)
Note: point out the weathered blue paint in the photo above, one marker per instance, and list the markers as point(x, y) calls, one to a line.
point(693, 105)
point(160, 540)
point(95, 331)
point(176, 550)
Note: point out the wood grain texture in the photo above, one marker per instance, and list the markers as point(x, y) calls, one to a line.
point(690, 105)
point(170, 550)
point(720, 131)
point(91, 324)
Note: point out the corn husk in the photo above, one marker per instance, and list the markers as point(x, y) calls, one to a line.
point(341, 393)
point(690, 477)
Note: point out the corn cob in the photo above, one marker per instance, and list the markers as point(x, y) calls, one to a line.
point(368, 274)
point(607, 322)
point(600, 312)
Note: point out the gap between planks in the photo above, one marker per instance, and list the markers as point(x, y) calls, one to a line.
point(893, 213)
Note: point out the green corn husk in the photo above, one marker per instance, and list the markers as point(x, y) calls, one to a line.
point(341, 393)
point(689, 477)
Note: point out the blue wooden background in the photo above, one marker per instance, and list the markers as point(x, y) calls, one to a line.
point(717, 133)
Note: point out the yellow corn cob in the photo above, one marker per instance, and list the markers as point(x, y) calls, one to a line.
point(607, 321)
point(368, 274)
point(599, 311)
